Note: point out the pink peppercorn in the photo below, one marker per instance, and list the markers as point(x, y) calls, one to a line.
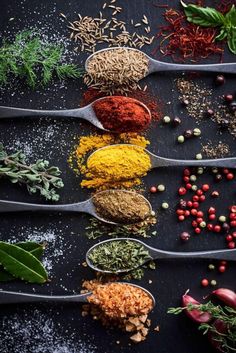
point(204, 282)
point(187, 172)
point(193, 212)
point(229, 238)
point(188, 186)
point(205, 187)
point(186, 179)
point(181, 218)
point(233, 223)
point(211, 210)
point(202, 198)
point(229, 176)
point(195, 204)
point(182, 191)
point(217, 229)
point(222, 269)
point(231, 245)
point(199, 192)
point(210, 226)
point(197, 230)
point(212, 217)
point(195, 198)
point(233, 209)
point(194, 224)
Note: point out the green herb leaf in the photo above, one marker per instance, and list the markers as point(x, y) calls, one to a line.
point(22, 264)
point(203, 16)
point(34, 248)
point(232, 41)
point(222, 35)
point(231, 16)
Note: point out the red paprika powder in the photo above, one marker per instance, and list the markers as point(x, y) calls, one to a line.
point(122, 114)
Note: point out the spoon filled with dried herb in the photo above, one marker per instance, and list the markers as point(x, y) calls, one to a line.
point(110, 206)
point(124, 295)
point(120, 69)
point(116, 114)
point(128, 163)
point(126, 254)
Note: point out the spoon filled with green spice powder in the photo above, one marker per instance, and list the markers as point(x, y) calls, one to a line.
point(110, 206)
point(126, 254)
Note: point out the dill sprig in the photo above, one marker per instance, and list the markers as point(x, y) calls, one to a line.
point(29, 57)
point(38, 177)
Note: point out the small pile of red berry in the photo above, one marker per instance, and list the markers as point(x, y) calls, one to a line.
point(191, 208)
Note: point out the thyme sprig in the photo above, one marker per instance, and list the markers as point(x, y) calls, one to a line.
point(226, 315)
point(38, 177)
point(29, 57)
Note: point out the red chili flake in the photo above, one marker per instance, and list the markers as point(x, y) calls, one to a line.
point(186, 41)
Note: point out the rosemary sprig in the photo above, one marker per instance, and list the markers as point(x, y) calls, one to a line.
point(37, 62)
point(37, 177)
point(226, 315)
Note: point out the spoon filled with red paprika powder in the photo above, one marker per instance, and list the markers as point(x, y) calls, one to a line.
point(116, 114)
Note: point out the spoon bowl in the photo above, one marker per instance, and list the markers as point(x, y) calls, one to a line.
point(158, 161)
point(229, 254)
point(87, 112)
point(11, 297)
point(159, 66)
point(84, 206)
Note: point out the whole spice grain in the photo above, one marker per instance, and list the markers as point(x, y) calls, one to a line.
point(122, 114)
point(90, 32)
point(116, 70)
point(117, 165)
point(120, 206)
point(119, 255)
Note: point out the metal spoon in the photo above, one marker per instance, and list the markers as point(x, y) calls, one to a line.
point(157, 161)
point(159, 66)
point(9, 297)
point(86, 113)
point(157, 254)
point(85, 207)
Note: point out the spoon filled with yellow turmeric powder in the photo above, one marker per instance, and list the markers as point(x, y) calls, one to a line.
point(123, 165)
point(110, 206)
point(117, 114)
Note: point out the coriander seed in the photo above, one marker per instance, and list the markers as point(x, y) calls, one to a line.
point(196, 132)
point(165, 205)
point(161, 187)
point(166, 119)
point(181, 139)
point(199, 156)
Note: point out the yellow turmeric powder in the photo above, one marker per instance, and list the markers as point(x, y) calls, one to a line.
point(88, 144)
point(116, 166)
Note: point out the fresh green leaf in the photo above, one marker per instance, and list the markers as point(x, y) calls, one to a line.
point(22, 264)
point(231, 17)
point(222, 35)
point(34, 248)
point(204, 16)
point(232, 41)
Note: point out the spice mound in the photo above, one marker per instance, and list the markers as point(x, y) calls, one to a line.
point(122, 114)
point(121, 206)
point(119, 255)
point(120, 300)
point(116, 70)
point(117, 165)
point(120, 305)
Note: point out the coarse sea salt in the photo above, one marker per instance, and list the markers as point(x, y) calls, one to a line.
point(37, 332)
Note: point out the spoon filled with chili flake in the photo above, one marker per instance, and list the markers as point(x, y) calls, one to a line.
point(126, 254)
point(109, 206)
point(144, 300)
point(120, 69)
point(116, 114)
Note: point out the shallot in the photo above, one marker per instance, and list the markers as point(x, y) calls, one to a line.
point(226, 295)
point(195, 314)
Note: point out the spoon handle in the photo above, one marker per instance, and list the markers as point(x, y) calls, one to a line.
point(157, 66)
point(11, 112)
point(168, 162)
point(9, 297)
point(13, 206)
point(229, 254)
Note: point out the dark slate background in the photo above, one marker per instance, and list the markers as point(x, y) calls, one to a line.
point(53, 140)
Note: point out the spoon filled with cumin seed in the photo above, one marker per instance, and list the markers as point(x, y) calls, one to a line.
point(109, 206)
point(121, 69)
point(105, 113)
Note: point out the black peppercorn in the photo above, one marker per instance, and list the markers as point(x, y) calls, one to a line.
point(188, 133)
point(228, 97)
point(185, 236)
point(225, 227)
point(215, 194)
point(176, 121)
point(233, 106)
point(220, 79)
